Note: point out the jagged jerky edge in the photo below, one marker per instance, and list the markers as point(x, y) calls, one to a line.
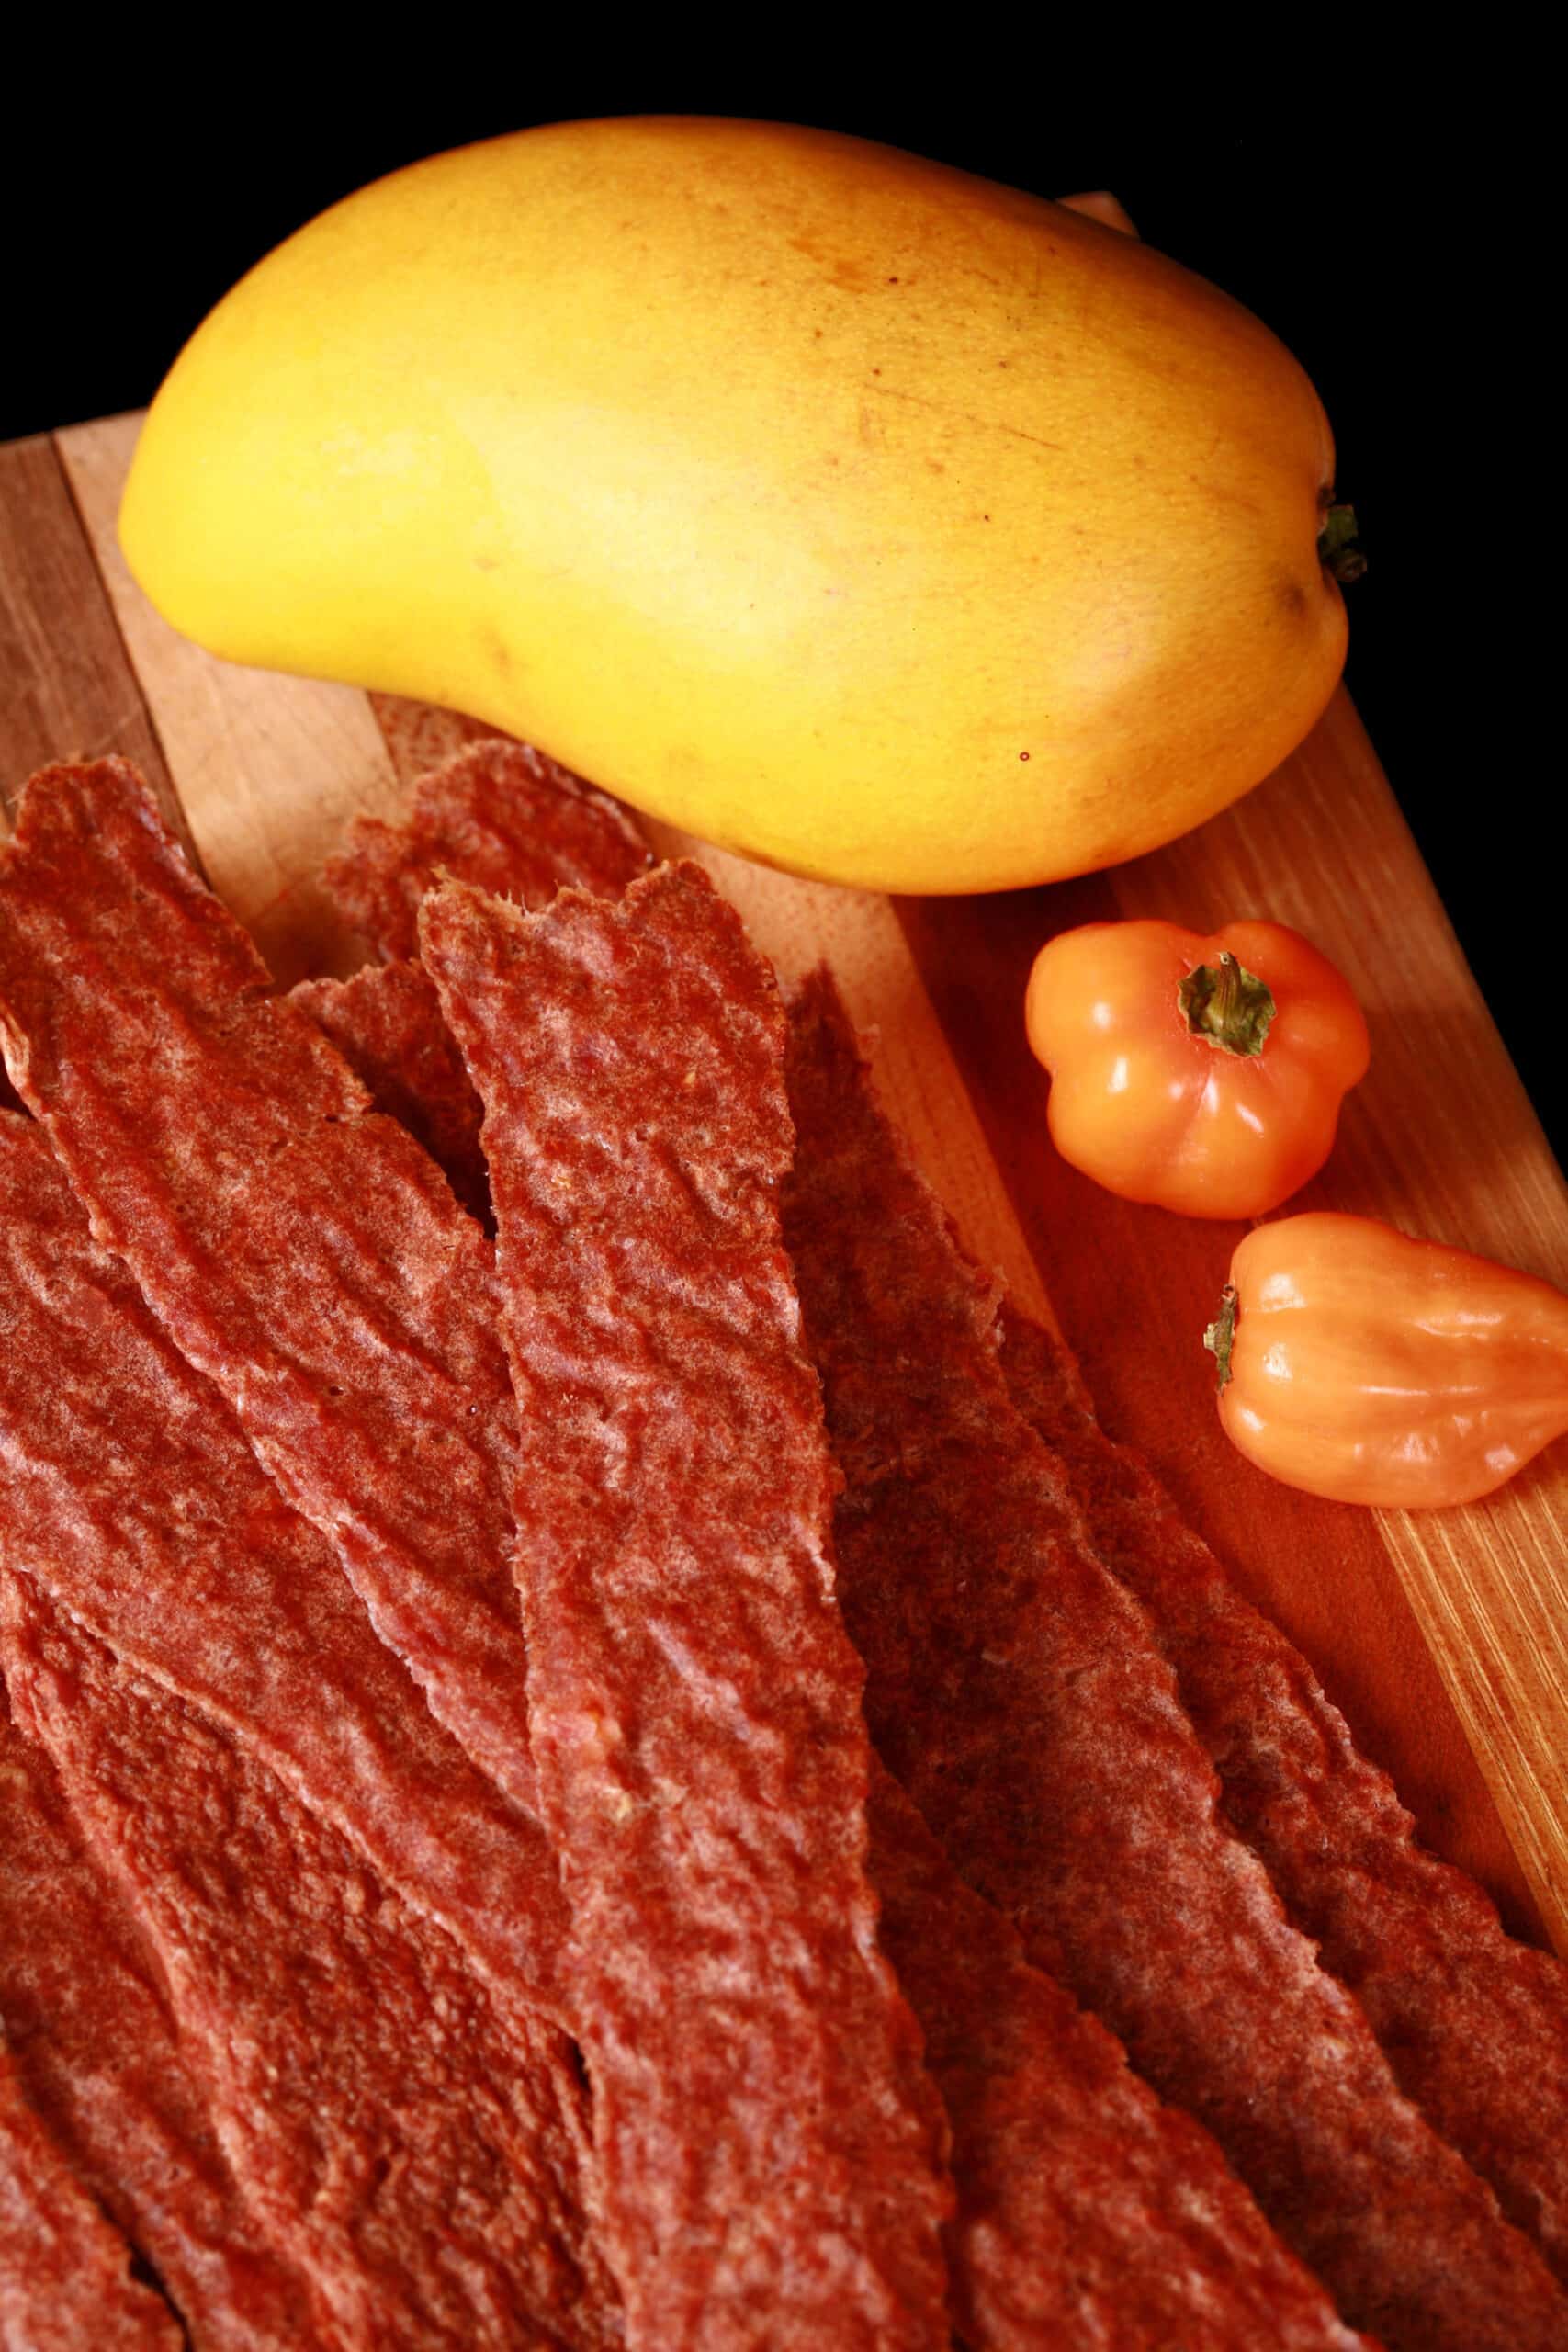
point(301, 1250)
point(65, 2271)
point(387, 1024)
point(1474, 2025)
point(502, 814)
point(133, 1499)
point(1017, 1691)
point(97, 2060)
point(363, 2084)
point(769, 2153)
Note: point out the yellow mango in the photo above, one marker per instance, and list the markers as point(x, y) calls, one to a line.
point(854, 512)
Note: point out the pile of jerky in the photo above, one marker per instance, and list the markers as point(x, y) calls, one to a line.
point(595, 1747)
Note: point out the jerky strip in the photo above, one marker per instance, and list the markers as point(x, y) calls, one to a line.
point(65, 2277)
point(301, 1251)
point(1015, 1688)
point(1474, 2025)
point(770, 2164)
point(98, 2062)
point(133, 1499)
point(1088, 2213)
point(502, 814)
point(360, 2078)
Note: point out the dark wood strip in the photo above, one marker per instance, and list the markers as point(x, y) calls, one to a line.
point(67, 690)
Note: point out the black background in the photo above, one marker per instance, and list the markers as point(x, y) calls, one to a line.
point(1399, 239)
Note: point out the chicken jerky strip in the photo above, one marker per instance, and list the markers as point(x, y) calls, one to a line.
point(301, 1250)
point(505, 817)
point(1474, 2025)
point(1087, 2212)
point(65, 2275)
point(360, 2078)
point(1089, 2215)
point(131, 1497)
point(1016, 1690)
point(769, 2147)
point(84, 2016)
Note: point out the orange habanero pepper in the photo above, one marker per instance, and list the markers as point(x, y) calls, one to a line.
point(1204, 1075)
point(1360, 1364)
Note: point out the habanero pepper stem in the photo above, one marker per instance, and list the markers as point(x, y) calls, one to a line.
point(1359, 1363)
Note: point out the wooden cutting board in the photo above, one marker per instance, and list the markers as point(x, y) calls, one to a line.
point(1443, 1636)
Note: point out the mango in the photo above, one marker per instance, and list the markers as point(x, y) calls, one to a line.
point(864, 516)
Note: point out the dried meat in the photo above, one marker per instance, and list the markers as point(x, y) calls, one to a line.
point(1087, 2212)
point(361, 2079)
point(768, 2149)
point(300, 1249)
point(85, 2019)
point(1016, 1691)
point(65, 2271)
point(497, 812)
point(1474, 2025)
point(134, 1501)
point(1089, 2215)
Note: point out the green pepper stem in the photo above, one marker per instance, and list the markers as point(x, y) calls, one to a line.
point(1226, 1005)
point(1220, 1337)
point(1337, 549)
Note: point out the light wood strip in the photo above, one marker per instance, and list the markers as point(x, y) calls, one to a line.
point(67, 690)
point(270, 769)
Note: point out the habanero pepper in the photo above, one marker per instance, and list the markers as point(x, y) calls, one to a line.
point(1361, 1365)
point(1202, 1074)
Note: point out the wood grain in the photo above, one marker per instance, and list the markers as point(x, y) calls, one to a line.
point(1441, 1635)
point(67, 689)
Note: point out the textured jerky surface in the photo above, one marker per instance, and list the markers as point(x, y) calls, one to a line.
point(132, 1498)
point(1088, 2215)
point(1474, 2025)
point(360, 2078)
point(83, 2014)
point(498, 813)
point(1016, 1690)
point(385, 1023)
point(769, 2145)
point(303, 1252)
point(65, 2279)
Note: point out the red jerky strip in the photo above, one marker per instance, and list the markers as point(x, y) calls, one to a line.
point(501, 814)
point(769, 2150)
point(385, 1023)
point(303, 1252)
point(1088, 2214)
point(132, 1498)
point(65, 2279)
point(1016, 1690)
point(1474, 2025)
point(92, 2050)
point(359, 2077)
